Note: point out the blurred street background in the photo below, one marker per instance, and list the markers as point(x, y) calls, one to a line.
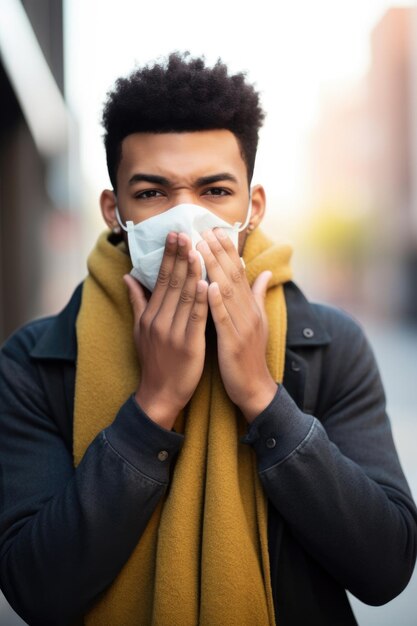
point(337, 157)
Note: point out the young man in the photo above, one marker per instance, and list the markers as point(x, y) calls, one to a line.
point(230, 462)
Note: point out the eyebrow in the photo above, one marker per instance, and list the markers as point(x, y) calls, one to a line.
point(216, 178)
point(149, 178)
point(165, 182)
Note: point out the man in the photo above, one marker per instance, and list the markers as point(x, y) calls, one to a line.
point(229, 463)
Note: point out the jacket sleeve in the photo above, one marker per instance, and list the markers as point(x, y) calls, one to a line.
point(65, 533)
point(337, 481)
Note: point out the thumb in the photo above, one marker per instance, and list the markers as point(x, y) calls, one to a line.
point(136, 296)
point(259, 288)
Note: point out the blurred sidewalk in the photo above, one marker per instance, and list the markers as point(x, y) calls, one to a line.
point(395, 348)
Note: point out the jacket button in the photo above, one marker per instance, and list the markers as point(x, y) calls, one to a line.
point(308, 333)
point(163, 455)
point(295, 367)
point(271, 442)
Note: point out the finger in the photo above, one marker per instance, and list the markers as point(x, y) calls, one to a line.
point(232, 281)
point(259, 289)
point(218, 249)
point(213, 267)
point(165, 271)
point(177, 279)
point(227, 256)
point(221, 317)
point(228, 246)
point(198, 315)
point(136, 297)
point(188, 293)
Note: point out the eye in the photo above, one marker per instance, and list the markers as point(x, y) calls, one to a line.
point(147, 194)
point(217, 191)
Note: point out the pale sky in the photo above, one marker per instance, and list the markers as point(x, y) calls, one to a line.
point(293, 52)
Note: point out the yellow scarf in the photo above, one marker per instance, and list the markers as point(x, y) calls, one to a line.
point(203, 557)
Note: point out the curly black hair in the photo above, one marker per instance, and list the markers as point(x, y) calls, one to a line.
point(178, 95)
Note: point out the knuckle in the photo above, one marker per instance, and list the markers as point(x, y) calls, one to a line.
point(211, 262)
point(191, 273)
point(227, 291)
point(227, 243)
point(174, 282)
point(237, 274)
point(157, 329)
point(186, 297)
point(217, 247)
point(144, 322)
point(163, 276)
point(195, 315)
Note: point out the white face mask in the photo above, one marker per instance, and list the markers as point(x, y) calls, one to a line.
point(147, 239)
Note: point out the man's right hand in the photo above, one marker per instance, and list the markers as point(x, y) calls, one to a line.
point(169, 332)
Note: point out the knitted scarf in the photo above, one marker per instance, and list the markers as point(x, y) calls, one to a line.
point(203, 557)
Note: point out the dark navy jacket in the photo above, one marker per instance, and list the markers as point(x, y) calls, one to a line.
point(340, 511)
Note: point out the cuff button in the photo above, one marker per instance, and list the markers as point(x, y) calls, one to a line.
point(271, 442)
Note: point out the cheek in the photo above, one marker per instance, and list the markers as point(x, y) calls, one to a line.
point(242, 239)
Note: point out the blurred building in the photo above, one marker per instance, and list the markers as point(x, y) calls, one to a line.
point(37, 222)
point(364, 165)
point(340, 164)
point(393, 111)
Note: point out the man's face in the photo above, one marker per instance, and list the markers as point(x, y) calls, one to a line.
point(159, 171)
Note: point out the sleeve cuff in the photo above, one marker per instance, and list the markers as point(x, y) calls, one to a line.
point(147, 446)
point(278, 430)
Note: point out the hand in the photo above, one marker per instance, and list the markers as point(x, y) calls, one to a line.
point(169, 332)
point(241, 325)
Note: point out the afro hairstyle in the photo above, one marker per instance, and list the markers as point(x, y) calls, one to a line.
point(181, 94)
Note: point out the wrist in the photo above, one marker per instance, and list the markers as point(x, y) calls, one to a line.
point(158, 409)
point(257, 402)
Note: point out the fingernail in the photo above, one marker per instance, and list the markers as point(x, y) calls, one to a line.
point(181, 240)
point(172, 237)
point(201, 286)
point(209, 235)
point(220, 233)
point(203, 245)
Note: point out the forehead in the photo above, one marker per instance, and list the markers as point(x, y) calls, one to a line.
point(181, 155)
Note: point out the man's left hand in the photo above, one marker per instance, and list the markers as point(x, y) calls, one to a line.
point(241, 324)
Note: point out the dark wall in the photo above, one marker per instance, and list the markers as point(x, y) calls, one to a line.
point(24, 202)
point(46, 17)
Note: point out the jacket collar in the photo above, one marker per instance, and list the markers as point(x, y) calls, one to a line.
point(304, 327)
point(59, 341)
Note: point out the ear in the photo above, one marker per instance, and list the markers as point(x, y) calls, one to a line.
point(108, 206)
point(258, 207)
